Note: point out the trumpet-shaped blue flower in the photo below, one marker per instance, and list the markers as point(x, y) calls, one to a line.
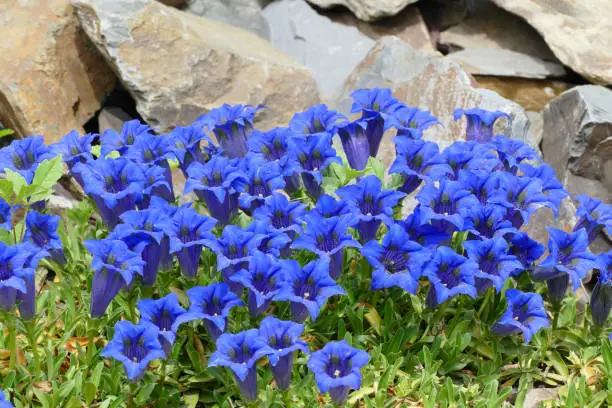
point(3, 402)
point(285, 216)
point(217, 183)
point(411, 122)
point(317, 119)
point(73, 148)
point(150, 149)
point(114, 267)
point(446, 203)
point(6, 215)
point(526, 250)
point(376, 106)
point(370, 205)
point(495, 265)
point(275, 242)
point(512, 152)
point(239, 352)
point(450, 274)
point(482, 184)
point(479, 123)
point(130, 133)
point(593, 215)
point(262, 179)
point(551, 187)
point(13, 274)
point(470, 156)
point(418, 161)
point(234, 250)
point(525, 314)
point(272, 145)
point(27, 299)
point(601, 297)
point(162, 313)
point(355, 143)
point(134, 346)
point(261, 280)
point(337, 369)
point(421, 231)
point(328, 207)
point(397, 262)
point(41, 230)
point(212, 304)
point(232, 125)
point(24, 155)
point(190, 232)
point(487, 221)
point(115, 185)
point(185, 142)
point(168, 211)
point(327, 237)
point(568, 259)
point(156, 184)
point(307, 289)
point(313, 154)
point(283, 338)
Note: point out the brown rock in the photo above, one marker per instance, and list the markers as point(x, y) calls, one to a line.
point(531, 94)
point(578, 32)
point(178, 66)
point(408, 25)
point(52, 79)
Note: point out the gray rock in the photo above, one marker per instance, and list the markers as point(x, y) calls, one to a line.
point(112, 117)
point(535, 396)
point(367, 10)
point(498, 62)
point(578, 32)
point(177, 65)
point(245, 14)
point(536, 128)
point(578, 140)
point(330, 50)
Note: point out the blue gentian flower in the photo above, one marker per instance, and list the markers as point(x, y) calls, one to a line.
point(446, 203)
point(275, 242)
point(6, 215)
point(307, 289)
point(593, 215)
point(234, 250)
point(190, 232)
point(526, 250)
point(355, 143)
point(285, 216)
point(162, 313)
point(232, 125)
point(217, 183)
point(495, 265)
point(327, 237)
point(376, 106)
point(239, 352)
point(262, 179)
point(130, 132)
point(115, 185)
point(418, 161)
point(470, 156)
point(482, 184)
point(479, 123)
point(397, 262)
point(316, 119)
point(411, 122)
point(261, 280)
point(3, 402)
point(568, 258)
point(421, 231)
point(27, 299)
point(551, 187)
point(151, 149)
point(156, 185)
point(212, 304)
point(313, 154)
point(149, 231)
point(114, 266)
point(328, 207)
point(168, 211)
point(283, 338)
point(525, 314)
point(24, 155)
point(41, 230)
point(337, 369)
point(186, 144)
point(601, 297)
point(512, 152)
point(134, 346)
point(370, 205)
point(13, 274)
point(487, 221)
point(74, 148)
point(450, 274)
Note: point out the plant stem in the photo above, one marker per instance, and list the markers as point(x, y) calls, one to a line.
point(31, 332)
point(92, 331)
point(162, 380)
point(556, 312)
point(11, 325)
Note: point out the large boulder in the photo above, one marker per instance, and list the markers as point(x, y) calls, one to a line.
point(367, 10)
point(578, 32)
point(53, 80)
point(330, 50)
point(177, 65)
point(578, 140)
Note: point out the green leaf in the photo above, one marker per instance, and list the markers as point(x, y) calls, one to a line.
point(191, 400)
point(6, 132)
point(89, 392)
point(375, 167)
point(46, 176)
point(18, 183)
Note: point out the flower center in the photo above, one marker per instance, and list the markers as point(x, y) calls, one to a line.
point(135, 350)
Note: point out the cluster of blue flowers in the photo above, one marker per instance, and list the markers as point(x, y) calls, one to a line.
point(463, 238)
